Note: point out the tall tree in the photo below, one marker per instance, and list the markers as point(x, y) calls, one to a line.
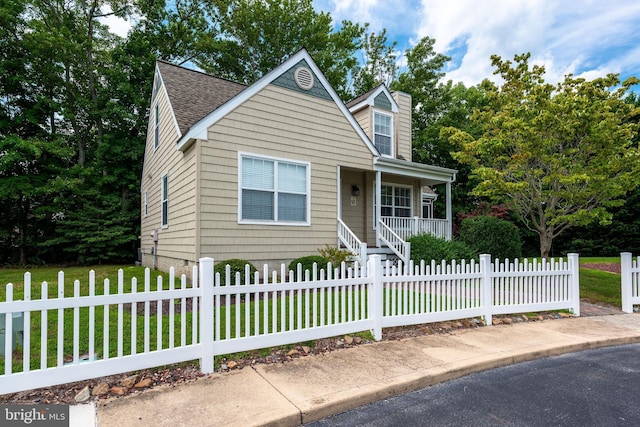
point(255, 36)
point(562, 155)
point(377, 64)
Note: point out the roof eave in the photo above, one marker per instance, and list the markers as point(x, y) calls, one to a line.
point(415, 170)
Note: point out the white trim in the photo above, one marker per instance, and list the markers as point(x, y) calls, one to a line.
point(429, 173)
point(166, 95)
point(370, 100)
point(307, 165)
point(373, 129)
point(156, 126)
point(199, 129)
point(145, 204)
point(377, 200)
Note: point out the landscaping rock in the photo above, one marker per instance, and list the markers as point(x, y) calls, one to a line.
point(129, 381)
point(144, 383)
point(119, 391)
point(507, 321)
point(232, 364)
point(102, 388)
point(348, 340)
point(83, 395)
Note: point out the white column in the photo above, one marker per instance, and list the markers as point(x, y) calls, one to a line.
point(449, 214)
point(574, 266)
point(626, 278)
point(206, 315)
point(486, 268)
point(339, 201)
point(377, 207)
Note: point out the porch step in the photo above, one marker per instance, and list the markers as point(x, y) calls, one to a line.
point(385, 253)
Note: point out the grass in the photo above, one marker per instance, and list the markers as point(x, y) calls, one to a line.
point(595, 286)
point(600, 286)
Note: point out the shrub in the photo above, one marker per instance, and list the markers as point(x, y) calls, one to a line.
point(307, 264)
point(236, 265)
point(491, 235)
point(335, 255)
point(427, 247)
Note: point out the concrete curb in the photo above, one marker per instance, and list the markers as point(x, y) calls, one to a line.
point(406, 385)
point(310, 388)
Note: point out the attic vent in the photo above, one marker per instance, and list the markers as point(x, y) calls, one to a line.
point(304, 78)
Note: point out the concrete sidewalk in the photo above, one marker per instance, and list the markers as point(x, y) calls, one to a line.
point(313, 387)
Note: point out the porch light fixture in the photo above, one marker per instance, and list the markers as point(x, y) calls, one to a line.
point(355, 190)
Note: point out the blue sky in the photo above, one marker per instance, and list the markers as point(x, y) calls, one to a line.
point(588, 38)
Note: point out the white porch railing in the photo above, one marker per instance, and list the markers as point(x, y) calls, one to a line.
point(408, 227)
point(352, 243)
point(389, 237)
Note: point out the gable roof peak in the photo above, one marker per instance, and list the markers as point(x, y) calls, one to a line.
point(369, 99)
point(194, 94)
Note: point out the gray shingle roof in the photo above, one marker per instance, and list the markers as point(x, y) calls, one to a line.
point(361, 98)
point(194, 94)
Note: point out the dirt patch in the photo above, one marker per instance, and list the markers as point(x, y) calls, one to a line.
point(611, 267)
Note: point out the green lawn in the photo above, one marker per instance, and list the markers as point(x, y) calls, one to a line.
point(595, 286)
point(600, 286)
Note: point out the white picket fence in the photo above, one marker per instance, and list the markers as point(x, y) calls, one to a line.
point(102, 334)
point(629, 276)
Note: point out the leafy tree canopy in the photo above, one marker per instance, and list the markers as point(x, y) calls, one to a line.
point(563, 155)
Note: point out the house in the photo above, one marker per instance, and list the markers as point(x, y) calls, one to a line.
point(275, 170)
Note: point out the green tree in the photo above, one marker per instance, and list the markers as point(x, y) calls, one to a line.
point(256, 36)
point(377, 65)
point(31, 173)
point(562, 155)
point(422, 79)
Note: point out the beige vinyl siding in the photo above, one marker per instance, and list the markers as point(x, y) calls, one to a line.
point(176, 242)
point(363, 117)
point(402, 125)
point(287, 125)
point(355, 216)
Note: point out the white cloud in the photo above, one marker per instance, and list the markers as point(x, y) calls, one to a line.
point(118, 26)
point(589, 38)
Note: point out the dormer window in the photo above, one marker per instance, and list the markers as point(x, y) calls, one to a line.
point(382, 133)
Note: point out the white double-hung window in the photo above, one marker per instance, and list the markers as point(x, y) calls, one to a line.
point(395, 201)
point(164, 194)
point(273, 190)
point(382, 133)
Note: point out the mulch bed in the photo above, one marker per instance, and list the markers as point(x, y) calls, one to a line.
point(184, 373)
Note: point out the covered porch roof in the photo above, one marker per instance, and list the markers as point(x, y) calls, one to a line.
point(429, 174)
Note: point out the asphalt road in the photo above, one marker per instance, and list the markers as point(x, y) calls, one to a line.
point(591, 388)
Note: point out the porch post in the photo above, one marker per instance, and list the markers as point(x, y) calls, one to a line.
point(449, 214)
point(377, 207)
point(339, 201)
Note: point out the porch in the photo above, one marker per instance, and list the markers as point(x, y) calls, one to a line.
point(392, 236)
point(380, 210)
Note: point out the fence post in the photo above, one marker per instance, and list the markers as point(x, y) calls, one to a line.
point(626, 278)
point(374, 272)
point(206, 315)
point(486, 268)
point(574, 267)
point(407, 257)
point(363, 257)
